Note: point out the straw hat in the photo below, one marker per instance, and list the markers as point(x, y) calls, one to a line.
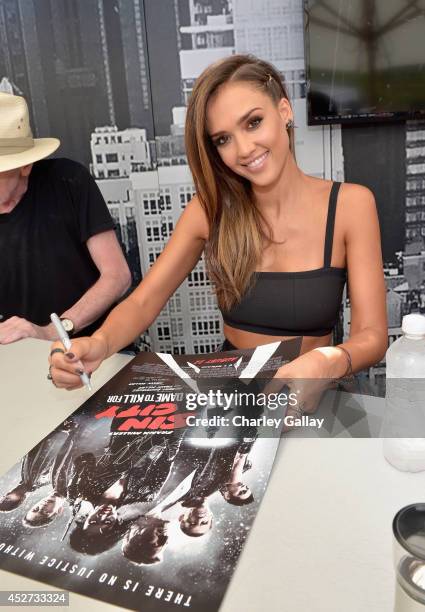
point(17, 146)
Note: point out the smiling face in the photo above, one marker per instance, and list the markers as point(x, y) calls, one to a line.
point(248, 130)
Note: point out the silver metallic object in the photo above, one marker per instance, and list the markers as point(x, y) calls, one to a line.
point(409, 557)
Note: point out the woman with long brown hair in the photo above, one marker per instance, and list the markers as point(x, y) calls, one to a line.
point(279, 244)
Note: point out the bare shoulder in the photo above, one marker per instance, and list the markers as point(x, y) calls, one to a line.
point(356, 199)
point(357, 207)
point(195, 219)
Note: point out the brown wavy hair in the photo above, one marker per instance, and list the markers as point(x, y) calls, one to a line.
point(237, 229)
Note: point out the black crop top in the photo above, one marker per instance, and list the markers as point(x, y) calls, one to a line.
point(294, 303)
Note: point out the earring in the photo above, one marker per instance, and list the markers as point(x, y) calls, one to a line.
point(290, 124)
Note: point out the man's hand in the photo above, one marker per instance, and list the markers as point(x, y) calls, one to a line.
point(16, 328)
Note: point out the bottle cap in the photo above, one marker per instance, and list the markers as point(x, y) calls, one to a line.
point(413, 324)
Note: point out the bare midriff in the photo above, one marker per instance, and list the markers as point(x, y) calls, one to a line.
point(243, 339)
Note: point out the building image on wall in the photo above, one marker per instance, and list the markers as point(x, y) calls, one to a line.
point(146, 197)
point(115, 155)
point(190, 321)
point(80, 64)
point(405, 274)
point(415, 182)
point(273, 30)
point(208, 37)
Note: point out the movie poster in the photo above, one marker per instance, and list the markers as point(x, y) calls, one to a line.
point(145, 495)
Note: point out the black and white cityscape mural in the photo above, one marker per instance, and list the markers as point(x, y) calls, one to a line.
point(111, 79)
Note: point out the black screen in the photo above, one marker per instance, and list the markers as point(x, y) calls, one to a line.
point(365, 60)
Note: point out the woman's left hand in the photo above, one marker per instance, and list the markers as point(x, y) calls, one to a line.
point(308, 377)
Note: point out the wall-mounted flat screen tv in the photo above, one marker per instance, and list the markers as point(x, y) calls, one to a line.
point(365, 60)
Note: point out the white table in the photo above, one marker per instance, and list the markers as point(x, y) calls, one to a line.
point(322, 540)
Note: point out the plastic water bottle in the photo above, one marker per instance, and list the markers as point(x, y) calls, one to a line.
point(405, 398)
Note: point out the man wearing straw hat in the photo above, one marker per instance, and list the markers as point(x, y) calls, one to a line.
point(58, 249)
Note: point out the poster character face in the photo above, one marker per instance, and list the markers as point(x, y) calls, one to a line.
point(98, 532)
point(44, 511)
point(144, 543)
point(13, 498)
point(196, 522)
point(237, 493)
point(101, 520)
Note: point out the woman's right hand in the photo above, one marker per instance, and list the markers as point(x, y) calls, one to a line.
point(86, 353)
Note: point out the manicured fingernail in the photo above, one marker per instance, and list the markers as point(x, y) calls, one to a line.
point(70, 355)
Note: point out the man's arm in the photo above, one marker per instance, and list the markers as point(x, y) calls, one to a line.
point(114, 280)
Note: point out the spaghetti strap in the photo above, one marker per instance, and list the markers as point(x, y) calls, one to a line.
point(330, 224)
